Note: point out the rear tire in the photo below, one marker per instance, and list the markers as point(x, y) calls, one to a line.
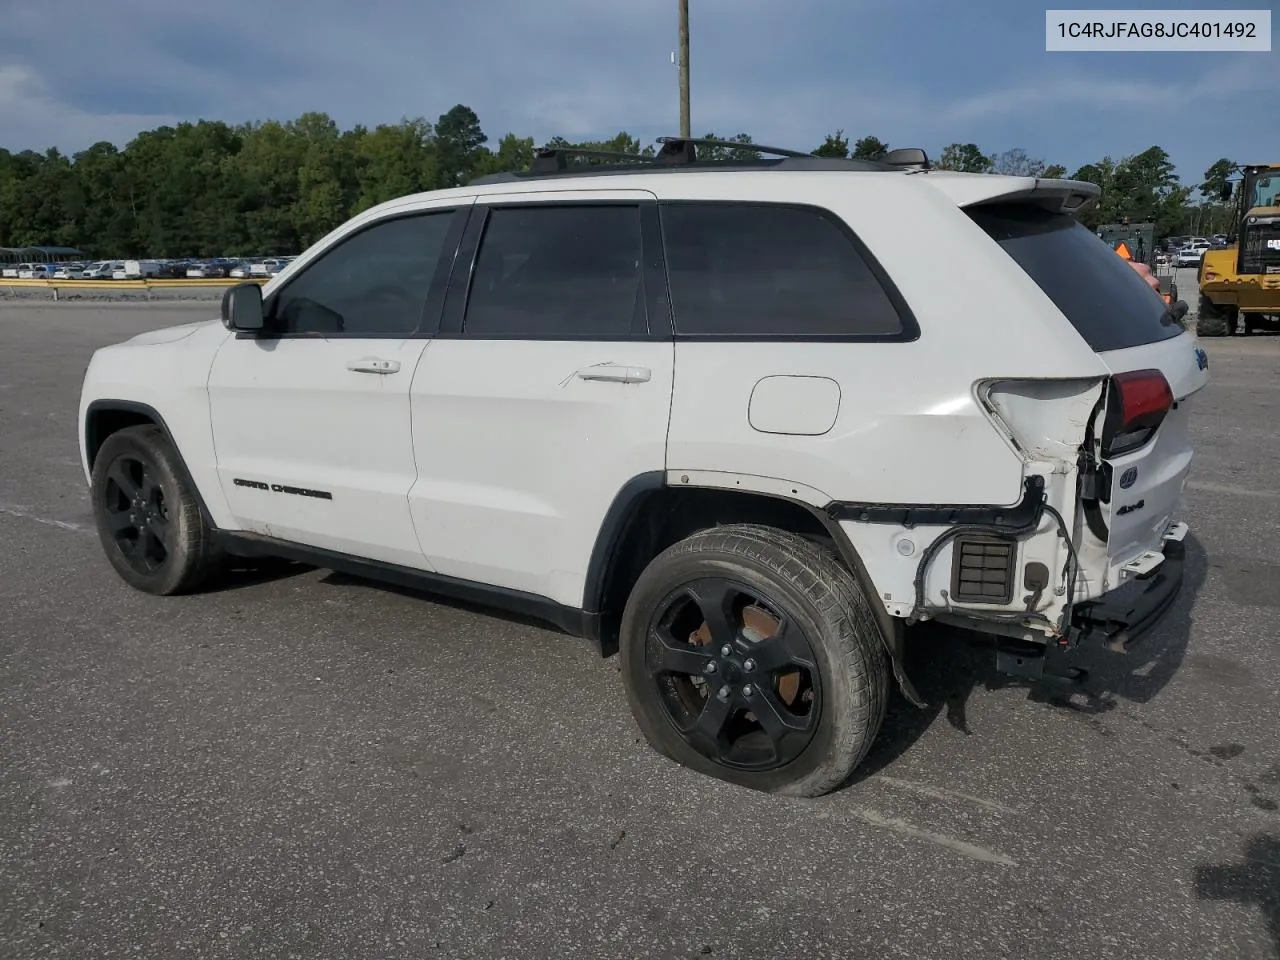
point(1213, 320)
point(149, 521)
point(751, 655)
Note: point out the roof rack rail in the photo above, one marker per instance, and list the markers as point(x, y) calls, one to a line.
point(554, 159)
point(678, 154)
point(679, 146)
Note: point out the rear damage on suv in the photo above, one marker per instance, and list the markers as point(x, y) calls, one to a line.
point(1093, 552)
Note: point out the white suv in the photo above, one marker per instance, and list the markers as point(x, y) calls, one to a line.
point(717, 416)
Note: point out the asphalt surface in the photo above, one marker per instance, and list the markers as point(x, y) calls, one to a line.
point(306, 765)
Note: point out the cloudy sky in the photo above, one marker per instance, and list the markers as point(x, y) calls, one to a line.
point(913, 72)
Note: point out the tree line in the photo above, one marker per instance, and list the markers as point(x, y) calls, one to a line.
point(210, 188)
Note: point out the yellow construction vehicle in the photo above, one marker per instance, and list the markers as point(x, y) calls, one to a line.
point(1241, 282)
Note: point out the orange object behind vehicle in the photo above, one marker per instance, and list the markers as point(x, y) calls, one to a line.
point(1122, 249)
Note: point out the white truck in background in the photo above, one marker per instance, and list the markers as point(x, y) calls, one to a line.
point(137, 270)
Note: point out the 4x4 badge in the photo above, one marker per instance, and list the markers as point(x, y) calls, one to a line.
point(1202, 359)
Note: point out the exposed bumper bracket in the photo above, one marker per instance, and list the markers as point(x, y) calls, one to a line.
point(1118, 624)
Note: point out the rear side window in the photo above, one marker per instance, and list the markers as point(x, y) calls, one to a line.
point(1099, 293)
point(771, 270)
point(557, 271)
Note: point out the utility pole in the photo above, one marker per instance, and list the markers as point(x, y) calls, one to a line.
point(684, 68)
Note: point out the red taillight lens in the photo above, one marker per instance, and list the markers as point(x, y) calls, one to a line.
point(1138, 403)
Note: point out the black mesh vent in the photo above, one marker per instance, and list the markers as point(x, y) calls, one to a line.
point(982, 570)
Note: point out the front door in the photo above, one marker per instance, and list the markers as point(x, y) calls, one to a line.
point(311, 417)
point(547, 390)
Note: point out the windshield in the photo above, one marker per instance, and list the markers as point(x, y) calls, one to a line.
point(1266, 192)
point(1103, 297)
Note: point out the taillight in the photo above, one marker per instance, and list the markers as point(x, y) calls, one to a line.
point(1136, 406)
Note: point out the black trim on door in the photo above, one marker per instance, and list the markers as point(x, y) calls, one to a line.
point(464, 265)
point(433, 310)
point(569, 619)
point(657, 291)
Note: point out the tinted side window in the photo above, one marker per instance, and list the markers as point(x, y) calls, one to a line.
point(769, 270)
point(557, 271)
point(1097, 291)
point(373, 283)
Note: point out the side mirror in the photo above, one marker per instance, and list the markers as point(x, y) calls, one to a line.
point(242, 307)
point(1224, 194)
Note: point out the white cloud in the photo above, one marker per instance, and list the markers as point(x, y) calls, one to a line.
point(31, 117)
point(1115, 92)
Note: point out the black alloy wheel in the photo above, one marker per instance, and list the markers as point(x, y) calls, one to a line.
point(136, 512)
point(736, 677)
point(148, 516)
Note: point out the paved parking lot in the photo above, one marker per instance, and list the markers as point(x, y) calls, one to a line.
point(306, 765)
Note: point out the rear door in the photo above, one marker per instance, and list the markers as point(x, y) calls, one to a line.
point(547, 390)
point(1141, 436)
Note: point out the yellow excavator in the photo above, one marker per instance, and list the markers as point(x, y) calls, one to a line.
point(1241, 282)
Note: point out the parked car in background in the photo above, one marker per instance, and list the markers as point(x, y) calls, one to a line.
point(1189, 256)
point(35, 271)
point(69, 271)
point(174, 269)
point(268, 266)
point(137, 270)
point(102, 270)
point(243, 270)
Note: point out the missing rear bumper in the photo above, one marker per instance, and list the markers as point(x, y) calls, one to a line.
point(1117, 622)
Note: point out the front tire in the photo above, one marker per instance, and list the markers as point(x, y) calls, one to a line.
point(148, 519)
point(751, 655)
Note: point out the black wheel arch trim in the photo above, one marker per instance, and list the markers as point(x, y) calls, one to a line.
point(617, 523)
point(622, 513)
point(93, 443)
point(944, 514)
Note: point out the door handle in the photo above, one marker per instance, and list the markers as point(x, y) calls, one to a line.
point(373, 365)
point(615, 373)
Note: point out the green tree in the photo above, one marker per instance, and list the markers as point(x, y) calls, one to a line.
point(458, 146)
point(1217, 177)
point(1055, 171)
point(965, 157)
point(869, 148)
point(739, 154)
point(835, 145)
point(207, 188)
point(1016, 163)
point(393, 160)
